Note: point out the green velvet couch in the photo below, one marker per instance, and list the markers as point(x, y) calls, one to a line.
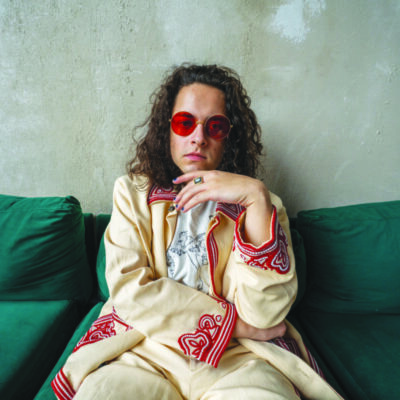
point(52, 288)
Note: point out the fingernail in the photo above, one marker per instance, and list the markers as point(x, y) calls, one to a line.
point(173, 180)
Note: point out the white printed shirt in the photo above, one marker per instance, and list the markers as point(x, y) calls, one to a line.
point(187, 254)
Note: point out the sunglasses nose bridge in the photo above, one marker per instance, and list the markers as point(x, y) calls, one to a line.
point(199, 135)
point(198, 122)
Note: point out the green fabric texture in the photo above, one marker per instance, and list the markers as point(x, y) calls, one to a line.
point(46, 392)
point(301, 267)
point(42, 252)
point(90, 242)
point(327, 373)
point(102, 221)
point(363, 351)
point(33, 335)
point(103, 292)
point(353, 257)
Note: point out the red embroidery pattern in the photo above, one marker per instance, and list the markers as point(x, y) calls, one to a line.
point(212, 253)
point(209, 341)
point(272, 255)
point(231, 210)
point(62, 388)
point(157, 193)
point(102, 328)
point(196, 344)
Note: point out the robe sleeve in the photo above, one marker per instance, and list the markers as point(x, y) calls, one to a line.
point(162, 309)
point(261, 281)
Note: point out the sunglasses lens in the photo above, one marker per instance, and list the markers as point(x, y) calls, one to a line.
point(218, 127)
point(183, 123)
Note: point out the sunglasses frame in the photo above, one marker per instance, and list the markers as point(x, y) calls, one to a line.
point(199, 122)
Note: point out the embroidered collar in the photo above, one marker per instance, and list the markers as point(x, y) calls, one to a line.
point(157, 193)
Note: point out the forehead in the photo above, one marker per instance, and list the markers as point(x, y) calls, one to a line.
point(199, 98)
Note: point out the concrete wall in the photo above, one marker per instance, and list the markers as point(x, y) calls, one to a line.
point(324, 76)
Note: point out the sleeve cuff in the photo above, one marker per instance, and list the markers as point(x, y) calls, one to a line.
point(271, 255)
point(212, 336)
point(62, 387)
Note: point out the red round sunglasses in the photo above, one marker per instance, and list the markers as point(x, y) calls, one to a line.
point(216, 126)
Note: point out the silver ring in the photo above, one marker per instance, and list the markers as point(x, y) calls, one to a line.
point(197, 180)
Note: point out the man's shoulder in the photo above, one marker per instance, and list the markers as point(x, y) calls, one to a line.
point(134, 186)
point(135, 181)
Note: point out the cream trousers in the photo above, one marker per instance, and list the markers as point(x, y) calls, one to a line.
point(155, 372)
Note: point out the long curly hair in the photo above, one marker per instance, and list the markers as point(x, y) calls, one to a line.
point(242, 147)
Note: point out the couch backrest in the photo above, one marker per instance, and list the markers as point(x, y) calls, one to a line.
point(42, 249)
point(353, 257)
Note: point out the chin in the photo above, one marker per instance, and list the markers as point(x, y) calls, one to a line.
point(193, 168)
point(187, 170)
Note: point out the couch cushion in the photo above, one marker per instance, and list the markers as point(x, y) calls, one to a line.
point(33, 335)
point(102, 221)
point(363, 351)
point(353, 257)
point(301, 267)
point(327, 373)
point(46, 392)
point(42, 253)
point(103, 292)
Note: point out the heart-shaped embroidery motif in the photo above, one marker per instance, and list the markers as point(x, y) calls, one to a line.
point(195, 344)
point(208, 322)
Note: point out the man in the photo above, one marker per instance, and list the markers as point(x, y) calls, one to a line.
point(199, 262)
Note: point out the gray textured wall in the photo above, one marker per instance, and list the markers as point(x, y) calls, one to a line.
point(76, 75)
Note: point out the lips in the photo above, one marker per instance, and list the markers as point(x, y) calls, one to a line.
point(195, 156)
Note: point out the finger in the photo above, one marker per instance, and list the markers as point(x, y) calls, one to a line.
point(187, 193)
point(197, 183)
point(195, 200)
point(190, 176)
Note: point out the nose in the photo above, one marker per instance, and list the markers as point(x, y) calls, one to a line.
point(199, 135)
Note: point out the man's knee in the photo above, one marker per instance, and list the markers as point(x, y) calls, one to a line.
point(116, 381)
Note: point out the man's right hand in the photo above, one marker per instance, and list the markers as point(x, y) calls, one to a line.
point(244, 330)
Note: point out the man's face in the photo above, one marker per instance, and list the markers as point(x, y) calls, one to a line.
point(198, 151)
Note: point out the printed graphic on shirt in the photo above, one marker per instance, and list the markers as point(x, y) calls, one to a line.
point(187, 261)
